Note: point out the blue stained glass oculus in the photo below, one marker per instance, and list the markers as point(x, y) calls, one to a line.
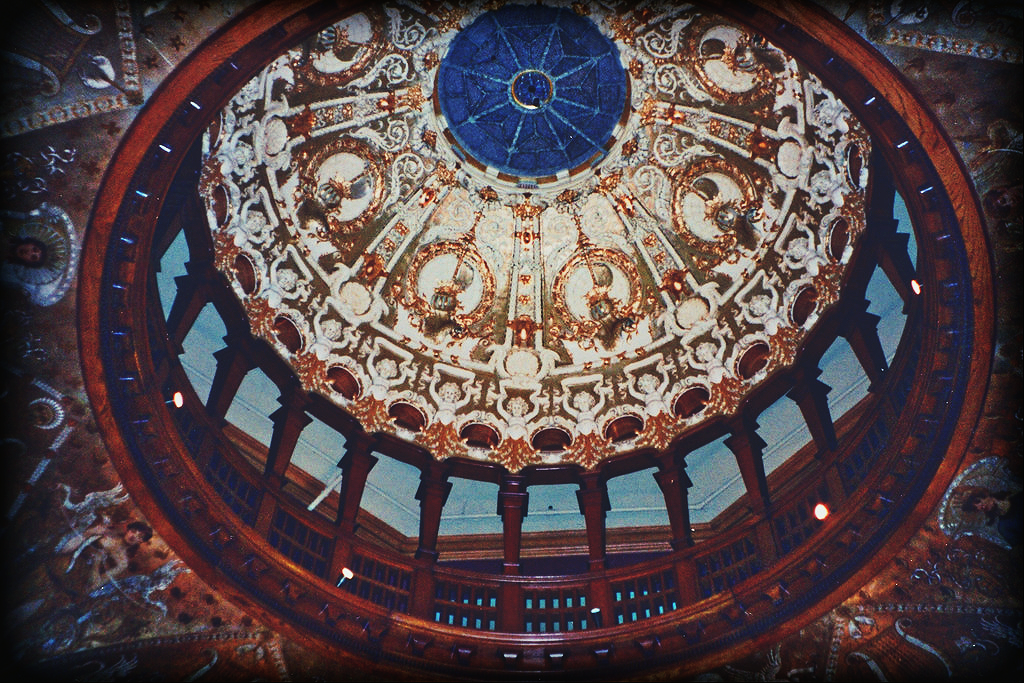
point(532, 90)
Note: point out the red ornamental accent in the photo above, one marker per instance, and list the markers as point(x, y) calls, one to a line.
point(286, 333)
point(839, 237)
point(551, 440)
point(479, 435)
point(805, 304)
point(623, 428)
point(691, 402)
point(407, 416)
point(219, 204)
point(754, 360)
point(245, 273)
point(343, 382)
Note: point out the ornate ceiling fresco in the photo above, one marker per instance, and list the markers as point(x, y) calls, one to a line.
point(596, 276)
point(548, 235)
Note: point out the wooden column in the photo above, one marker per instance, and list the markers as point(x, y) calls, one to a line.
point(511, 617)
point(513, 502)
point(600, 592)
point(686, 579)
point(835, 485)
point(432, 494)
point(233, 364)
point(671, 477)
point(888, 247)
point(512, 506)
point(183, 209)
point(748, 447)
point(265, 513)
point(421, 598)
point(767, 548)
point(860, 329)
point(593, 500)
point(289, 421)
point(811, 395)
point(893, 257)
point(193, 293)
point(356, 465)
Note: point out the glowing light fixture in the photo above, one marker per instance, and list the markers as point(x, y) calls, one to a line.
point(821, 511)
point(346, 574)
point(916, 286)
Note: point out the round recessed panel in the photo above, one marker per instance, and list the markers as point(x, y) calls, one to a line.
point(532, 90)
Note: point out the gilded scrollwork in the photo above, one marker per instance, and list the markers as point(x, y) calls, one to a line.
point(711, 210)
point(341, 51)
point(340, 188)
point(719, 211)
point(598, 297)
point(451, 288)
point(731, 64)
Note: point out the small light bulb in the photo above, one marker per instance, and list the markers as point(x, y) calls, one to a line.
point(820, 511)
point(179, 399)
point(914, 285)
point(346, 574)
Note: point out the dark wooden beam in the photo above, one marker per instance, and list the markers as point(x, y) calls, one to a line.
point(748, 447)
point(356, 464)
point(513, 501)
point(194, 291)
point(593, 500)
point(233, 364)
point(887, 246)
point(289, 421)
point(184, 211)
point(432, 494)
point(811, 395)
point(860, 329)
point(672, 479)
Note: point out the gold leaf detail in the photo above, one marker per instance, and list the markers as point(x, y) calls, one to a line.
point(588, 450)
point(312, 371)
point(371, 413)
point(442, 441)
point(515, 454)
point(659, 431)
point(725, 396)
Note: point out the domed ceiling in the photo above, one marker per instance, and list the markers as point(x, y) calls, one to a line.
point(557, 248)
point(535, 234)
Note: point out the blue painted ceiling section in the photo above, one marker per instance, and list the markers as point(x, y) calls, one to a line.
point(532, 90)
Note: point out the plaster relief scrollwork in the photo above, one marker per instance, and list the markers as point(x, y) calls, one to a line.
point(583, 399)
point(341, 186)
point(341, 51)
point(388, 203)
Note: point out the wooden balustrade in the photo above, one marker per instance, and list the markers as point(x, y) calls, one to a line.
point(512, 603)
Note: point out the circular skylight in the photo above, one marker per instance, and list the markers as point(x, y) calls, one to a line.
point(532, 90)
